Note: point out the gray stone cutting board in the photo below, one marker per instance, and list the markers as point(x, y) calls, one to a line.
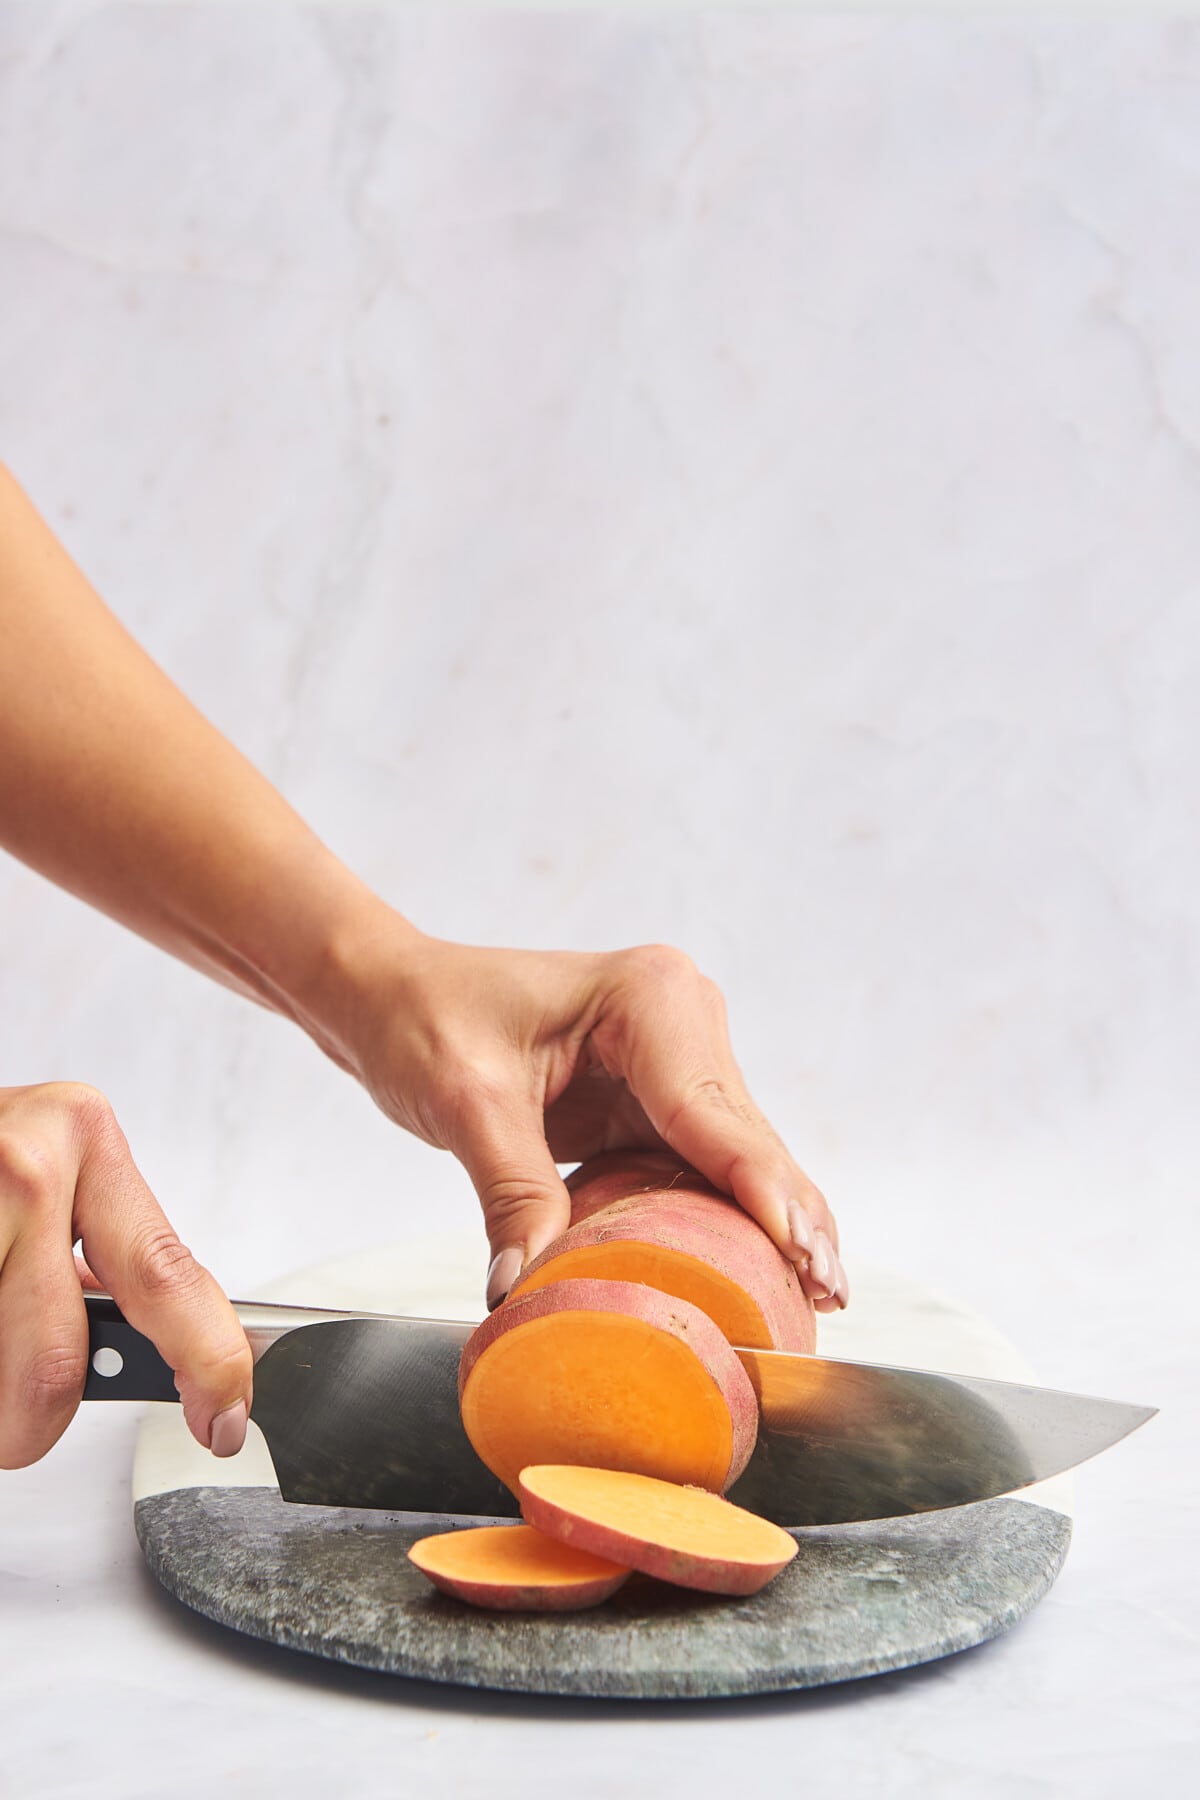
point(857, 1600)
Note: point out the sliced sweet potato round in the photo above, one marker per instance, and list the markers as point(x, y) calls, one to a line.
point(513, 1568)
point(679, 1534)
point(610, 1374)
point(648, 1218)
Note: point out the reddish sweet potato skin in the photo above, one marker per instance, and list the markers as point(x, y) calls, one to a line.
point(709, 1575)
point(652, 1197)
point(679, 1317)
point(616, 1174)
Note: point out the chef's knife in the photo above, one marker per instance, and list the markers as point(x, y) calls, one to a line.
point(360, 1409)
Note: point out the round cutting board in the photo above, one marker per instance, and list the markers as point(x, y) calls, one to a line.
point(336, 1582)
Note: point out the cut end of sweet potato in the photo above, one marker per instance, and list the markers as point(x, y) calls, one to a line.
point(678, 1534)
point(513, 1568)
point(609, 1374)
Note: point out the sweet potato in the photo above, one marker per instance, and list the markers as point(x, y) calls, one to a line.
point(679, 1534)
point(610, 1374)
point(513, 1568)
point(649, 1218)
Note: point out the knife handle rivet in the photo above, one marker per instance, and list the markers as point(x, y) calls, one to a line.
point(107, 1361)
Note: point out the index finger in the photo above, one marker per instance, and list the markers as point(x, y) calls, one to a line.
point(164, 1292)
point(668, 1038)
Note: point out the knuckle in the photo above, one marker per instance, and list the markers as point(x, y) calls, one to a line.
point(503, 1216)
point(225, 1366)
point(86, 1104)
point(28, 1170)
point(92, 1118)
point(505, 1197)
point(42, 1147)
point(715, 1091)
point(162, 1267)
point(659, 964)
point(474, 1090)
point(54, 1378)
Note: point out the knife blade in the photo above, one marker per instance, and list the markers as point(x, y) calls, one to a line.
point(361, 1409)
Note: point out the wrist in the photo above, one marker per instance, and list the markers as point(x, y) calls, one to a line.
point(333, 994)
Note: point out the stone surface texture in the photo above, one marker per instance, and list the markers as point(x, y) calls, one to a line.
point(856, 1600)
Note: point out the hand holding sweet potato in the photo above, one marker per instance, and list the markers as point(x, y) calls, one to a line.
point(517, 1060)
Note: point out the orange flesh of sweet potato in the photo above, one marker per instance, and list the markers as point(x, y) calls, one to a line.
point(513, 1568)
point(677, 1234)
point(678, 1534)
point(654, 1265)
point(608, 1374)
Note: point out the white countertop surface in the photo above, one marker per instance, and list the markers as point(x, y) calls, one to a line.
point(730, 478)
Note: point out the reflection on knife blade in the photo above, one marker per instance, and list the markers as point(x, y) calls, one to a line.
point(364, 1412)
point(360, 1409)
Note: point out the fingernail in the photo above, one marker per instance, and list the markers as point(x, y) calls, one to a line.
point(821, 1263)
point(505, 1267)
point(842, 1288)
point(800, 1229)
point(228, 1430)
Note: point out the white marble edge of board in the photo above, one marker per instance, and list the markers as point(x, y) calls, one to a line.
point(892, 1319)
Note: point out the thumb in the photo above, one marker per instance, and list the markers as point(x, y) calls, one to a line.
point(525, 1203)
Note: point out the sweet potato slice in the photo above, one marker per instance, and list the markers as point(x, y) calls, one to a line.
point(679, 1534)
point(649, 1218)
point(513, 1568)
point(609, 1374)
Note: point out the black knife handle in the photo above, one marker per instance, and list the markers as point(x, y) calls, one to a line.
point(140, 1373)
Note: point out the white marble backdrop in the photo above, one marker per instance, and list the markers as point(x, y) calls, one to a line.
point(725, 478)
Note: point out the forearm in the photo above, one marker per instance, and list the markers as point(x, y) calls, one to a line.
point(115, 787)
